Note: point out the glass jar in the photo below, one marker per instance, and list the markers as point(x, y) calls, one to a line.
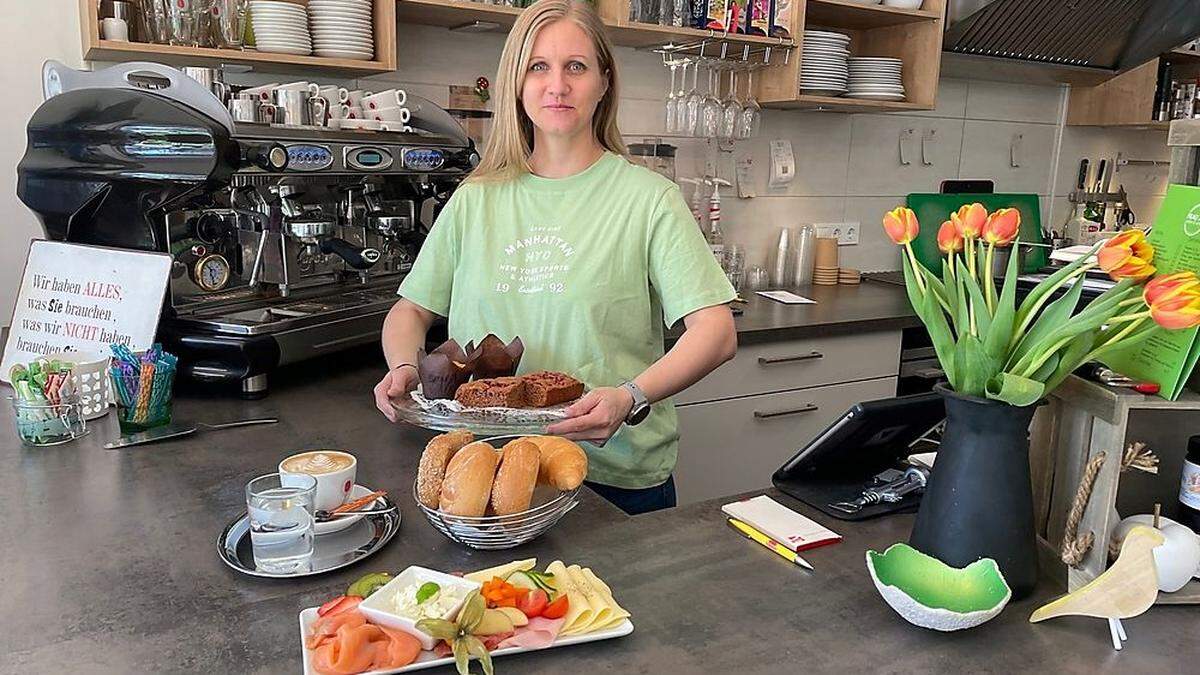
point(658, 157)
point(143, 403)
point(42, 423)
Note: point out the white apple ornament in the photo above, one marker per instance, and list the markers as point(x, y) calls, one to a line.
point(1177, 560)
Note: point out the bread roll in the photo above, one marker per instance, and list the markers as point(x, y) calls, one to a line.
point(468, 482)
point(513, 488)
point(563, 463)
point(434, 459)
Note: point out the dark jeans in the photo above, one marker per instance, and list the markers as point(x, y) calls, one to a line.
point(641, 500)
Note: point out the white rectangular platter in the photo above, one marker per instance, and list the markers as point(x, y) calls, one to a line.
point(431, 660)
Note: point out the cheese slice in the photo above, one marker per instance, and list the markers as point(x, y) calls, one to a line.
point(615, 613)
point(502, 571)
point(579, 611)
point(600, 611)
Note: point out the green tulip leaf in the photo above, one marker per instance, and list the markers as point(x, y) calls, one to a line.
point(1037, 297)
point(983, 318)
point(1072, 358)
point(930, 311)
point(1000, 332)
point(1014, 389)
point(953, 296)
point(975, 367)
point(1043, 332)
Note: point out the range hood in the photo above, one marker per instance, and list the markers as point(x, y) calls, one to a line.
point(1087, 39)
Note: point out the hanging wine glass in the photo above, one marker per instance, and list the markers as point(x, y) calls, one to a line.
point(732, 109)
point(669, 106)
point(712, 111)
point(694, 101)
point(751, 117)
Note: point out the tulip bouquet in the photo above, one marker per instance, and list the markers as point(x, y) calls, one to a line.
point(991, 347)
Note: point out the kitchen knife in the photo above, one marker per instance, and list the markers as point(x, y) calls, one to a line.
point(1083, 175)
point(1100, 175)
point(178, 430)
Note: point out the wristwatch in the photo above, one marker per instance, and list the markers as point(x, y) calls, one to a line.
point(641, 406)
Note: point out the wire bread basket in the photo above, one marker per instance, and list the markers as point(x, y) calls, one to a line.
point(500, 532)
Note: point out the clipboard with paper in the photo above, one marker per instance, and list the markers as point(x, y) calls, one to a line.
point(1169, 357)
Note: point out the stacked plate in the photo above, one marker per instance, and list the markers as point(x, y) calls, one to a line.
point(876, 77)
point(280, 27)
point(823, 69)
point(342, 29)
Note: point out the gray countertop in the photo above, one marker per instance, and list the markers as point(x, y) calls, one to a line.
point(839, 310)
point(109, 565)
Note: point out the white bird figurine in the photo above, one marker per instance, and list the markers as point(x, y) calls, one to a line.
point(1124, 590)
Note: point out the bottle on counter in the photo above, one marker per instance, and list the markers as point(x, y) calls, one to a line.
point(716, 239)
point(1189, 486)
point(758, 17)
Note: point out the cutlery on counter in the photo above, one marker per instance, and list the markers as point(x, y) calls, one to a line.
point(178, 430)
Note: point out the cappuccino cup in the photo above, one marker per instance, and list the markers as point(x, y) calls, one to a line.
point(401, 115)
point(334, 471)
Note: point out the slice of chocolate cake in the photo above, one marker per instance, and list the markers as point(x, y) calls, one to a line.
point(496, 392)
point(546, 388)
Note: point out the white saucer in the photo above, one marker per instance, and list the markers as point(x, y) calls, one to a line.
point(342, 523)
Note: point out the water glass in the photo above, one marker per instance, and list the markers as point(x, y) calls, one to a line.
point(281, 522)
point(183, 23)
point(735, 265)
point(227, 25)
point(154, 21)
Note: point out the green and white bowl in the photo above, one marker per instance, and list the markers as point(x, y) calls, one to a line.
point(931, 594)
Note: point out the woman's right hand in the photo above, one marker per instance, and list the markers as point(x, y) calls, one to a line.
point(395, 385)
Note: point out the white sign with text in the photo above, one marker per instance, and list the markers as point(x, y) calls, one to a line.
point(85, 298)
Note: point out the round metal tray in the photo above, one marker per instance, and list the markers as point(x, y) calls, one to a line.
point(330, 551)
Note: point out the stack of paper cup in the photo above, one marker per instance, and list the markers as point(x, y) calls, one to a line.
point(825, 262)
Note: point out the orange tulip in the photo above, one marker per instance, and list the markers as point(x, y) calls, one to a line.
point(1002, 227)
point(969, 219)
point(1177, 312)
point(1127, 256)
point(948, 239)
point(1168, 286)
point(901, 225)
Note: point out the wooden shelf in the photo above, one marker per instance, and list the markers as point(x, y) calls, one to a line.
point(842, 104)
point(846, 14)
point(454, 13)
point(1184, 54)
point(96, 49)
point(633, 34)
point(110, 50)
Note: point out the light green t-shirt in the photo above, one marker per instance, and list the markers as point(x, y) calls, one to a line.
point(587, 270)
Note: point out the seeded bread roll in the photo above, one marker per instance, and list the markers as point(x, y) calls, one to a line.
point(432, 469)
point(468, 482)
point(513, 488)
point(563, 463)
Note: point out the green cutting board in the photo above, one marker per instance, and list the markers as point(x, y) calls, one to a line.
point(933, 209)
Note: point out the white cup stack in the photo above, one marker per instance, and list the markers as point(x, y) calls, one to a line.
point(823, 70)
point(876, 78)
point(342, 29)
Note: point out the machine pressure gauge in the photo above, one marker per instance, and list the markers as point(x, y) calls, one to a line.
point(211, 272)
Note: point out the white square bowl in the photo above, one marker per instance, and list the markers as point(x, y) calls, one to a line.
point(378, 607)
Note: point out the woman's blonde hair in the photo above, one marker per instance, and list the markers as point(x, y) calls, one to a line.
point(510, 143)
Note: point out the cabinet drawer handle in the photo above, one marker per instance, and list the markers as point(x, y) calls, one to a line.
point(768, 360)
point(779, 413)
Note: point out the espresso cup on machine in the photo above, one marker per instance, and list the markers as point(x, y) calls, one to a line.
point(262, 92)
point(311, 87)
point(391, 98)
point(401, 115)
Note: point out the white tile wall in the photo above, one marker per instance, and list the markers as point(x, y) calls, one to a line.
point(847, 165)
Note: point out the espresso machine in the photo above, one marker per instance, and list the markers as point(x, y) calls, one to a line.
point(288, 242)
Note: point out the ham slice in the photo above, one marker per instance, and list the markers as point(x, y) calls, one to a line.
point(538, 634)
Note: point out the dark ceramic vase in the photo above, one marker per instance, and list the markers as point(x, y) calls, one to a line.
point(979, 500)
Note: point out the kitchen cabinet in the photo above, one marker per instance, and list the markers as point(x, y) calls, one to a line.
point(97, 49)
point(749, 416)
point(732, 446)
point(913, 35)
point(1128, 99)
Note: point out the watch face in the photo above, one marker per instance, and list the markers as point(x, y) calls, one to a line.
point(638, 414)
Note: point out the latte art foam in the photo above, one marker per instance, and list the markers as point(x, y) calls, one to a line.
point(317, 462)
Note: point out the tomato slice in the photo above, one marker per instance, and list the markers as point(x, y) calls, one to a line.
point(533, 603)
point(556, 609)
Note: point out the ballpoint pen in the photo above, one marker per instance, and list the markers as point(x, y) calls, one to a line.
point(770, 543)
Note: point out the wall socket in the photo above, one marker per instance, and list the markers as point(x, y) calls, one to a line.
point(846, 233)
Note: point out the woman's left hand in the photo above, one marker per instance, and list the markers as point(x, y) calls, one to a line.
point(595, 417)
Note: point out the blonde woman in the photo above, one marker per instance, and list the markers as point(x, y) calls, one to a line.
point(558, 239)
